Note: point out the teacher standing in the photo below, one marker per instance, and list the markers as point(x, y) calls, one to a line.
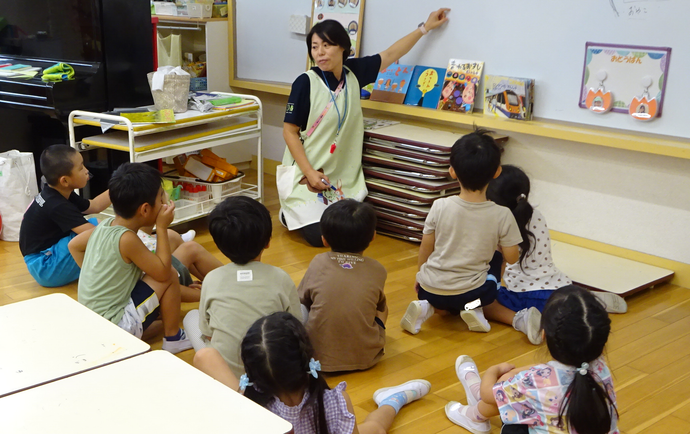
point(323, 126)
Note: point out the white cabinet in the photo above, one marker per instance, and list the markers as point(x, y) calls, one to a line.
point(209, 35)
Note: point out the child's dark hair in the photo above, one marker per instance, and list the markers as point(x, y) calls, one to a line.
point(276, 352)
point(132, 185)
point(241, 228)
point(332, 32)
point(56, 162)
point(475, 158)
point(577, 327)
point(348, 226)
point(511, 190)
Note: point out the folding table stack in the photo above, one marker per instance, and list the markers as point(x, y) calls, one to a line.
point(406, 169)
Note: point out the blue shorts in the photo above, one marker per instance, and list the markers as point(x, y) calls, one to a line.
point(55, 266)
point(486, 293)
point(516, 301)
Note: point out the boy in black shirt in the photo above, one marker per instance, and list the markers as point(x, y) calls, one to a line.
point(56, 216)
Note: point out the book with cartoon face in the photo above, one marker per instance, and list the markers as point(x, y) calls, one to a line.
point(425, 86)
point(392, 83)
point(508, 97)
point(460, 85)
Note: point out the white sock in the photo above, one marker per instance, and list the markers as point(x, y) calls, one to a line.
point(474, 414)
point(474, 383)
point(189, 235)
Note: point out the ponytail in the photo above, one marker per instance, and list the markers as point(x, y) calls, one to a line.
point(586, 406)
point(523, 215)
point(577, 328)
point(316, 388)
point(511, 190)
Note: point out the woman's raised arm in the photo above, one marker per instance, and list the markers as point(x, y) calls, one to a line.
point(405, 44)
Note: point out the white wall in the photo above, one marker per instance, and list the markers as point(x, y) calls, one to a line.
point(628, 199)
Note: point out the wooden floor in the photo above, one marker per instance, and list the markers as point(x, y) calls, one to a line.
point(649, 349)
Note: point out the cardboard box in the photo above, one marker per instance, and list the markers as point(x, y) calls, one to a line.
point(199, 169)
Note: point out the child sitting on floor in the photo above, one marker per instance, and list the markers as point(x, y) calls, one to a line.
point(237, 294)
point(343, 291)
point(283, 376)
point(459, 267)
point(532, 279)
point(189, 259)
point(572, 393)
point(112, 258)
point(56, 216)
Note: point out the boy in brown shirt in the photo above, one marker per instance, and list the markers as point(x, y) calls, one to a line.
point(343, 291)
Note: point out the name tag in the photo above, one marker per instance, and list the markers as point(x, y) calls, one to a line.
point(244, 276)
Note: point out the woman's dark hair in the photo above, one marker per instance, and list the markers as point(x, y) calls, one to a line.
point(241, 228)
point(276, 352)
point(332, 32)
point(577, 327)
point(348, 226)
point(507, 190)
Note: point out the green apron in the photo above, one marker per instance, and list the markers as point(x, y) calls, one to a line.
point(343, 166)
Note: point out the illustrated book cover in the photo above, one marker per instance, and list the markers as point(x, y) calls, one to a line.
point(508, 97)
point(392, 83)
point(460, 85)
point(425, 86)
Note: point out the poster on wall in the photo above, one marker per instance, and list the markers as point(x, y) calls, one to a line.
point(628, 72)
point(349, 13)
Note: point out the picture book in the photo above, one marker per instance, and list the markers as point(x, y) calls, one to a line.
point(460, 85)
point(392, 83)
point(425, 86)
point(165, 116)
point(508, 97)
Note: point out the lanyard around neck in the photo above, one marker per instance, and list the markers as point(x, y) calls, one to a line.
point(341, 120)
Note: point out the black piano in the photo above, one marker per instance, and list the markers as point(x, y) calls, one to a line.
point(109, 44)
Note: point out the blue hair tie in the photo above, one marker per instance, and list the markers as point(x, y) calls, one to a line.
point(244, 382)
point(314, 365)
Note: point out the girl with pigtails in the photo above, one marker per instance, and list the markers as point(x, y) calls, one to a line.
point(282, 375)
point(573, 393)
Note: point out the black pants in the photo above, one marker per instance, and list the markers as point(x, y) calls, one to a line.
point(312, 234)
point(515, 429)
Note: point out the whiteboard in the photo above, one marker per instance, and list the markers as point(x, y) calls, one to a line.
point(544, 40)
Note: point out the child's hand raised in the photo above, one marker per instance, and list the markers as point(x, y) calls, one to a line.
point(166, 215)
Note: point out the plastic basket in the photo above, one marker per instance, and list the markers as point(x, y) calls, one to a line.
point(187, 208)
point(218, 190)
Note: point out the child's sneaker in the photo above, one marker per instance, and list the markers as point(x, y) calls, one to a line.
point(189, 235)
point(474, 318)
point(612, 302)
point(457, 413)
point(417, 312)
point(464, 365)
point(414, 390)
point(528, 321)
point(178, 345)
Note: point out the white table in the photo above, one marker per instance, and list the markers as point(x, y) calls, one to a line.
point(152, 393)
point(52, 337)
